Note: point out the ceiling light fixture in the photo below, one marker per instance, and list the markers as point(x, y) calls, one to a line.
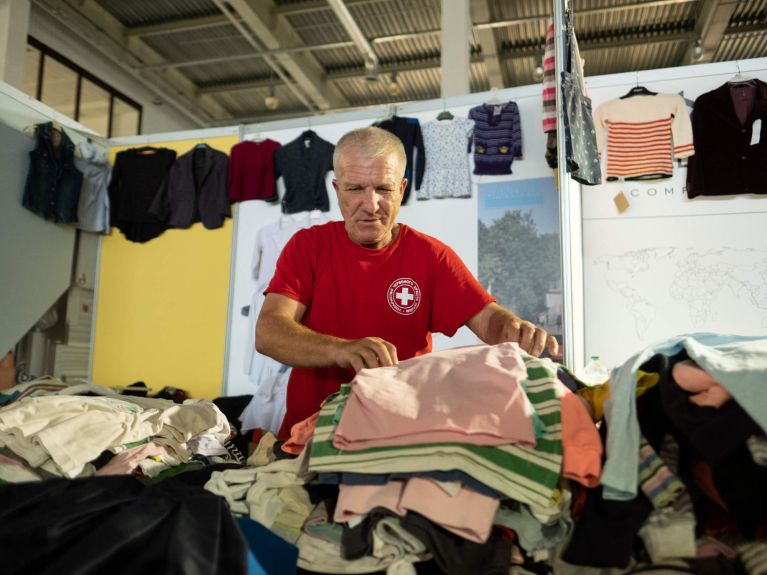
point(271, 101)
point(538, 70)
point(393, 87)
point(698, 51)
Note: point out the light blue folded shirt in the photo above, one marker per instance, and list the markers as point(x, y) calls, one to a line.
point(738, 363)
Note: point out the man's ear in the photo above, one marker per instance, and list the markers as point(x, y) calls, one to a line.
point(402, 187)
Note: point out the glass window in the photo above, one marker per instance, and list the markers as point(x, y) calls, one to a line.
point(59, 87)
point(125, 119)
point(94, 107)
point(31, 70)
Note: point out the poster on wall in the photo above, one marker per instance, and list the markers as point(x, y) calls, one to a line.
point(519, 249)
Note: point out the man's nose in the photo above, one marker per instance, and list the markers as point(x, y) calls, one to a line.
point(370, 200)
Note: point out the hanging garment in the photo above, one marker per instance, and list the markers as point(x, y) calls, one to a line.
point(251, 171)
point(409, 131)
point(497, 138)
point(549, 93)
point(580, 135)
point(195, 190)
point(303, 163)
point(729, 125)
point(448, 174)
point(93, 205)
point(269, 376)
point(136, 176)
point(53, 183)
point(644, 134)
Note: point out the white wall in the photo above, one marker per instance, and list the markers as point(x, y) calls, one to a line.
point(156, 119)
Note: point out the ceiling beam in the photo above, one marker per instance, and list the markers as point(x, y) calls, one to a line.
point(182, 25)
point(711, 23)
point(248, 56)
point(316, 6)
point(480, 12)
point(434, 62)
point(529, 52)
point(322, 5)
point(106, 35)
point(274, 33)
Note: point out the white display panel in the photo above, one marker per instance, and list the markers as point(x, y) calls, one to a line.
point(670, 265)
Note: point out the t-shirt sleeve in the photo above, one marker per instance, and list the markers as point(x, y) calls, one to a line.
point(457, 297)
point(294, 276)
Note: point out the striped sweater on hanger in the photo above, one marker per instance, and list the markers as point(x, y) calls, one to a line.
point(643, 135)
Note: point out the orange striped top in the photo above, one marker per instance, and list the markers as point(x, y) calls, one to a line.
point(643, 135)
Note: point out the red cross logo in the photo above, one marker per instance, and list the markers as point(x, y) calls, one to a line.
point(404, 296)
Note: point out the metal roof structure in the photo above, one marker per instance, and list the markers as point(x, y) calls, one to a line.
point(221, 58)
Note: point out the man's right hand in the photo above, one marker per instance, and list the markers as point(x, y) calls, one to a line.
point(366, 352)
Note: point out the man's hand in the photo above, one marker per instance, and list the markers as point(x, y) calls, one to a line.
point(494, 324)
point(366, 352)
point(529, 336)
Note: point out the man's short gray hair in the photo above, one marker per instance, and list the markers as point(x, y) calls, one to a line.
point(370, 142)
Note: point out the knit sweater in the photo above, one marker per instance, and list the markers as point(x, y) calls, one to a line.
point(644, 134)
point(497, 137)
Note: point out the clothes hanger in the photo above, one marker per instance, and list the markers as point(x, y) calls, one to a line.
point(740, 79)
point(494, 100)
point(445, 113)
point(638, 91)
point(255, 136)
point(391, 112)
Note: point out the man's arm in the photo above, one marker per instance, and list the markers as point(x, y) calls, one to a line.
point(494, 324)
point(281, 335)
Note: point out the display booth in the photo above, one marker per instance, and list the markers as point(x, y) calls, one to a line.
point(617, 270)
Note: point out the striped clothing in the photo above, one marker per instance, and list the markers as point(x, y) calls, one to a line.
point(527, 474)
point(497, 138)
point(644, 134)
point(549, 94)
point(657, 481)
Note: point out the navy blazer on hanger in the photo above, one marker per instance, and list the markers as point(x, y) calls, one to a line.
point(195, 190)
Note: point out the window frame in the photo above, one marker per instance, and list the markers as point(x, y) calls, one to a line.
point(46, 51)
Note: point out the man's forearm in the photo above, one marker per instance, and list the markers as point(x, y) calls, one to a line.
point(294, 344)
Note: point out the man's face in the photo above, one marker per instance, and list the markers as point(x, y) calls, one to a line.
point(370, 192)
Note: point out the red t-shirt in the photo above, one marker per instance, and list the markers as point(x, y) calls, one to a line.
point(401, 293)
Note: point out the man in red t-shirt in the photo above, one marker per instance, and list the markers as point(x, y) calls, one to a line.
point(367, 292)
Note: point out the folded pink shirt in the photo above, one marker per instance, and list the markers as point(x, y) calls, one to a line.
point(468, 514)
point(469, 394)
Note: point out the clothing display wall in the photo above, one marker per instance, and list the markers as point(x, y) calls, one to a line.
point(161, 306)
point(685, 255)
point(450, 214)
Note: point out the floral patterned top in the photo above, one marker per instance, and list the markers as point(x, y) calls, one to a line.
point(448, 174)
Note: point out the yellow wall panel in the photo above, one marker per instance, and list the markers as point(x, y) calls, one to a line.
point(162, 305)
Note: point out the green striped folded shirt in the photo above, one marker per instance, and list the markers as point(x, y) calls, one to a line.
point(527, 474)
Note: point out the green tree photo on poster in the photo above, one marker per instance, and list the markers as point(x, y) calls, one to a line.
point(519, 251)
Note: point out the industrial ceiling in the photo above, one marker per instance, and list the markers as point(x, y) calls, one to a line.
point(222, 59)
